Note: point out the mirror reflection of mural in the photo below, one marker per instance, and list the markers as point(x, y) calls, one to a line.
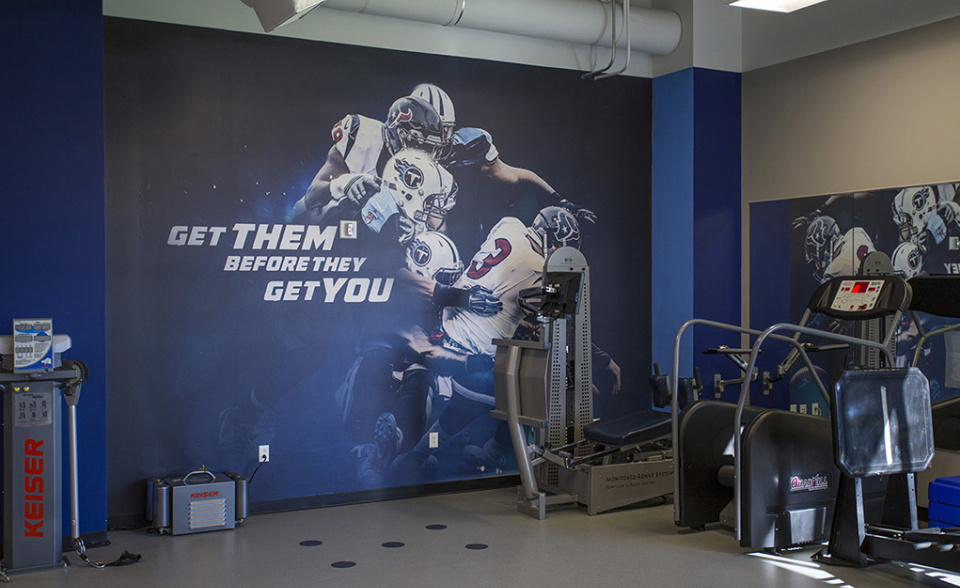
point(918, 227)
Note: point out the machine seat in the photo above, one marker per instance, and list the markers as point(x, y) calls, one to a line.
point(633, 428)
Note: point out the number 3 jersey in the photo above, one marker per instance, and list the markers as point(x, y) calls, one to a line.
point(505, 264)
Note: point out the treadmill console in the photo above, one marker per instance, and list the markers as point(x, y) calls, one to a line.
point(861, 297)
point(857, 295)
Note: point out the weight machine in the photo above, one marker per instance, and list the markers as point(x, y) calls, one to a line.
point(546, 385)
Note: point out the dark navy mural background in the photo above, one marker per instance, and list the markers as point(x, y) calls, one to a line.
point(211, 134)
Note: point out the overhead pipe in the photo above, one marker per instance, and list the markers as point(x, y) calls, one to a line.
point(585, 22)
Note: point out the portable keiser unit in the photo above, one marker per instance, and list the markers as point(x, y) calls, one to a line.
point(200, 501)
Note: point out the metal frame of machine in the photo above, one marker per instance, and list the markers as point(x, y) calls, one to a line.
point(546, 385)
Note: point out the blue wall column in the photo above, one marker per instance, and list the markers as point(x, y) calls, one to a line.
point(695, 212)
point(52, 216)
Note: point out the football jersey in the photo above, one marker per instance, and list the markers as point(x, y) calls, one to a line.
point(505, 264)
point(848, 253)
point(359, 140)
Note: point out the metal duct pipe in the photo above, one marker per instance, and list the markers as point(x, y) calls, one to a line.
point(585, 22)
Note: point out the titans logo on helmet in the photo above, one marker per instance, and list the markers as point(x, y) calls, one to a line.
point(410, 174)
point(920, 198)
point(420, 253)
point(914, 259)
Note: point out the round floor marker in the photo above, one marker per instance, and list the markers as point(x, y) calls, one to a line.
point(476, 546)
point(436, 527)
point(343, 564)
point(393, 544)
point(311, 543)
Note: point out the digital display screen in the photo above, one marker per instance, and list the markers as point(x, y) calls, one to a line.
point(857, 295)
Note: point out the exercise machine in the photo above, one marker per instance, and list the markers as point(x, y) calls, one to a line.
point(769, 474)
point(883, 424)
point(543, 392)
point(32, 378)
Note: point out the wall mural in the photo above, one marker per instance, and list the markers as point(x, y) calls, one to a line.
point(918, 227)
point(311, 246)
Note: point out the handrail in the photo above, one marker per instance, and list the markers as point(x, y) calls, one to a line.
point(745, 392)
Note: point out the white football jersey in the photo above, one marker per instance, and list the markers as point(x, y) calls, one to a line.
point(848, 253)
point(359, 140)
point(505, 264)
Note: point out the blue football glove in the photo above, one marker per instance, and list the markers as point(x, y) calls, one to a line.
point(481, 301)
point(578, 211)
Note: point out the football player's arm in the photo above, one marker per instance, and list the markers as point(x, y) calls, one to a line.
point(603, 360)
point(454, 363)
point(477, 299)
point(500, 171)
point(318, 193)
point(422, 286)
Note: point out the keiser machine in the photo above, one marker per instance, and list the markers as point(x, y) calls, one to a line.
point(197, 502)
point(32, 379)
point(546, 385)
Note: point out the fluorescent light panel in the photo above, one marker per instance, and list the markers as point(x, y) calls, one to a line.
point(775, 5)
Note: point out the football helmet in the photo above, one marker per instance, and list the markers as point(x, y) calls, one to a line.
point(907, 260)
point(557, 228)
point(822, 234)
point(441, 102)
point(434, 255)
point(912, 209)
point(423, 190)
point(413, 124)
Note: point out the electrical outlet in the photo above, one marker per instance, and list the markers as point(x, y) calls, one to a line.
point(264, 454)
point(434, 440)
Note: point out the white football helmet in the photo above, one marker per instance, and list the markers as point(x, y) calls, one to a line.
point(441, 102)
point(907, 260)
point(423, 190)
point(912, 211)
point(434, 255)
point(822, 235)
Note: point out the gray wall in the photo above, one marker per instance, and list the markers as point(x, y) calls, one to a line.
point(882, 113)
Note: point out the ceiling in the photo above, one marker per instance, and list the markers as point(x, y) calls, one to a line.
point(714, 35)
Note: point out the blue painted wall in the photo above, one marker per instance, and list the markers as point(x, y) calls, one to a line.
point(696, 183)
point(51, 223)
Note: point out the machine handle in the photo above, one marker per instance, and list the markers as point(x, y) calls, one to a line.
point(213, 477)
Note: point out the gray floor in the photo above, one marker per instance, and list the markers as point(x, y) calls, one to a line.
point(485, 542)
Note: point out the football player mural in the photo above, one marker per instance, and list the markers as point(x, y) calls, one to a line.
point(321, 253)
point(917, 227)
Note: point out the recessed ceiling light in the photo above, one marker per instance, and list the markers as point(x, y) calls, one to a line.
point(774, 5)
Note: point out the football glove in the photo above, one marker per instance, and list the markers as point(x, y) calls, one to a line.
point(356, 188)
point(578, 211)
point(481, 301)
